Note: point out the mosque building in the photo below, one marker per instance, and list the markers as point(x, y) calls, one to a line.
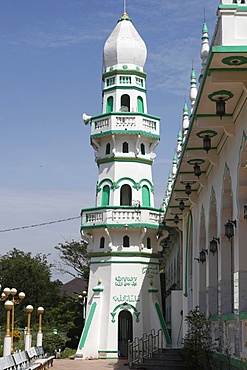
point(123, 231)
point(196, 240)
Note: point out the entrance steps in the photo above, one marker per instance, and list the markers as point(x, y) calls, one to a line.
point(168, 359)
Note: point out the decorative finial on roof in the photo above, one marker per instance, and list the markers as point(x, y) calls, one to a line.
point(125, 15)
point(193, 88)
point(125, 11)
point(174, 165)
point(205, 47)
point(179, 143)
point(185, 121)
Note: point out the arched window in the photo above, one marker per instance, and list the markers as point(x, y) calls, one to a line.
point(109, 104)
point(126, 241)
point(102, 242)
point(105, 195)
point(140, 105)
point(149, 246)
point(143, 149)
point(125, 195)
point(108, 148)
point(125, 103)
point(125, 147)
point(145, 196)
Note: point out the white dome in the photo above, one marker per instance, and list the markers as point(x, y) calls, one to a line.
point(124, 45)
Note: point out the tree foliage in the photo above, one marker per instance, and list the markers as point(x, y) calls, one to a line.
point(198, 342)
point(31, 275)
point(73, 255)
point(53, 342)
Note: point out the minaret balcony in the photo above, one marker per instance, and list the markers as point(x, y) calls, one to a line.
point(131, 122)
point(123, 216)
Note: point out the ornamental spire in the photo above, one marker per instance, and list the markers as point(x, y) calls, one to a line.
point(193, 89)
point(125, 15)
point(204, 48)
point(185, 121)
point(125, 11)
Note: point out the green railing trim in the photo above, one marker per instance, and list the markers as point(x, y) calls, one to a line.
point(237, 363)
point(243, 315)
point(228, 317)
point(163, 324)
point(87, 325)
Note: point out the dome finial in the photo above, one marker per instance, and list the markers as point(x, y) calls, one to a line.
point(125, 15)
point(125, 11)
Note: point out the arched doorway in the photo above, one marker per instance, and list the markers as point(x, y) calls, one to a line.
point(125, 195)
point(125, 332)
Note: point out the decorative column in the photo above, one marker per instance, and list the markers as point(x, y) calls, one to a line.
point(7, 339)
point(28, 337)
point(40, 334)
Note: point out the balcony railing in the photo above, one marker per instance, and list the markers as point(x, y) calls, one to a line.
point(121, 216)
point(135, 122)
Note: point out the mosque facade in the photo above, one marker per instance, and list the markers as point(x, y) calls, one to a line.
point(205, 204)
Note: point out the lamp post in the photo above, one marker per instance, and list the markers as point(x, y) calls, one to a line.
point(28, 337)
point(7, 339)
point(40, 334)
point(82, 300)
point(12, 292)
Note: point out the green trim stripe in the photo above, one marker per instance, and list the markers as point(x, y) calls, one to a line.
point(163, 325)
point(125, 114)
point(125, 132)
point(125, 159)
point(122, 226)
point(187, 257)
point(87, 325)
point(124, 261)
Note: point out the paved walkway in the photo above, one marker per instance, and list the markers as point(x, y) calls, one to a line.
point(68, 364)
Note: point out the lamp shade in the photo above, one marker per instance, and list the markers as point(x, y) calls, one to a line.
point(188, 189)
point(245, 211)
point(229, 229)
point(206, 143)
point(213, 246)
point(197, 170)
point(181, 205)
point(220, 107)
point(202, 256)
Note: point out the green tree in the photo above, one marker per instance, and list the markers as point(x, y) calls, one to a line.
point(198, 343)
point(74, 259)
point(53, 342)
point(32, 275)
point(62, 316)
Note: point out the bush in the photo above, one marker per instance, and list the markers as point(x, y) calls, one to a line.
point(17, 336)
point(53, 342)
point(198, 343)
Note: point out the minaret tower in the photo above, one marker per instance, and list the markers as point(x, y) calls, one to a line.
point(123, 230)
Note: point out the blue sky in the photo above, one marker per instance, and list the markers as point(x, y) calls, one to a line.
point(50, 73)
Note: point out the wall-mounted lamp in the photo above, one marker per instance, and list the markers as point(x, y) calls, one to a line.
point(229, 230)
point(206, 136)
point(181, 205)
point(220, 107)
point(202, 255)
point(197, 170)
point(207, 143)
point(245, 211)
point(188, 188)
point(213, 245)
point(176, 219)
